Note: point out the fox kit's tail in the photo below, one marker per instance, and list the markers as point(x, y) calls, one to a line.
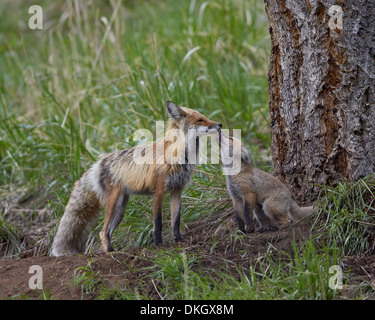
point(296, 213)
point(75, 224)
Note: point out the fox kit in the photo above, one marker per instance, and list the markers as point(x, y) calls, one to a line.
point(111, 180)
point(255, 190)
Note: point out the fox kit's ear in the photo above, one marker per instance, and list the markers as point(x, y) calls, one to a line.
point(174, 111)
point(245, 155)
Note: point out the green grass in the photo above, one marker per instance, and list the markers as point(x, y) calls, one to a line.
point(100, 71)
point(82, 91)
point(305, 275)
point(10, 236)
point(88, 280)
point(347, 213)
point(175, 274)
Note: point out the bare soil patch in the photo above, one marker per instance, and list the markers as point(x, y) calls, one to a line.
point(215, 242)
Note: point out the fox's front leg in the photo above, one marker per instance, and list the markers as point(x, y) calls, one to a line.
point(264, 221)
point(158, 211)
point(175, 214)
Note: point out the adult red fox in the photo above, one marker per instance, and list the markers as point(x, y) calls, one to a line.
point(160, 167)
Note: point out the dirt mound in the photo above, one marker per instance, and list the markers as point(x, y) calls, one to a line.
point(127, 268)
point(58, 274)
point(214, 241)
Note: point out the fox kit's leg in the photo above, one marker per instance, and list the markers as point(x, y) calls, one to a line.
point(274, 209)
point(242, 209)
point(158, 211)
point(117, 202)
point(175, 214)
point(249, 208)
point(264, 221)
point(239, 207)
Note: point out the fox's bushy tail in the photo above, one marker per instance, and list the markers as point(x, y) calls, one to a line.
point(75, 225)
point(296, 213)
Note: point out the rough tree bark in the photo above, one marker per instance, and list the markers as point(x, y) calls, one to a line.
point(322, 92)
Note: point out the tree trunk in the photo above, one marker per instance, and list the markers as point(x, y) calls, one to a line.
point(322, 92)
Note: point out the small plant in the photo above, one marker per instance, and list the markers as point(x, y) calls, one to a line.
point(88, 279)
point(347, 212)
point(45, 294)
point(10, 238)
point(125, 293)
point(172, 271)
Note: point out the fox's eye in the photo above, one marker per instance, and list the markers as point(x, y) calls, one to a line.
point(200, 120)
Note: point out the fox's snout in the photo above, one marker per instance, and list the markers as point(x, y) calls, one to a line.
point(210, 127)
point(215, 126)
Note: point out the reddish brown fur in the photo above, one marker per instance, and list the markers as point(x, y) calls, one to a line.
point(111, 180)
point(113, 197)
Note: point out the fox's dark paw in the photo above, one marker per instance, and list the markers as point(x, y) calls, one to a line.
point(178, 238)
point(250, 229)
point(107, 248)
point(267, 229)
point(158, 242)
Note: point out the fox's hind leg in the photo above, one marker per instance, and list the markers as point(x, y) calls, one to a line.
point(117, 202)
point(242, 209)
point(175, 214)
point(275, 209)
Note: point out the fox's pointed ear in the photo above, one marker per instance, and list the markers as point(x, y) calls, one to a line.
point(245, 156)
point(174, 111)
